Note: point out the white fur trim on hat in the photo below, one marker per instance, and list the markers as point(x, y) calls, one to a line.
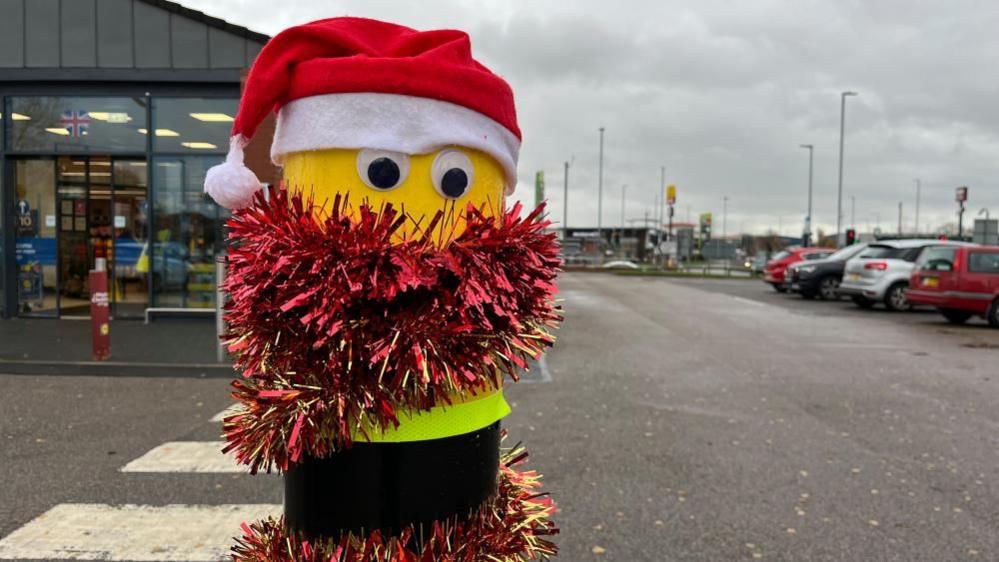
point(408, 124)
point(231, 184)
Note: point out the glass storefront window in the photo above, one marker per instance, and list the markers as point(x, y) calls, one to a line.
point(187, 233)
point(193, 125)
point(35, 216)
point(76, 124)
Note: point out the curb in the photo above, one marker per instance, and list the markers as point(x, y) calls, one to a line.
point(116, 369)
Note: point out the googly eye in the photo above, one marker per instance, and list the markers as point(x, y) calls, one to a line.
point(452, 173)
point(381, 169)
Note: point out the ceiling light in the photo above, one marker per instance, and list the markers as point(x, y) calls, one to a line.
point(162, 132)
point(58, 131)
point(199, 145)
point(213, 117)
point(110, 117)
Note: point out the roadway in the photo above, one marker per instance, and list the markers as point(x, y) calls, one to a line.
point(682, 419)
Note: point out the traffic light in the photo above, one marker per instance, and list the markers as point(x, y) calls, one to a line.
point(851, 236)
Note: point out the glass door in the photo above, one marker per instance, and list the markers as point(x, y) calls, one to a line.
point(36, 226)
point(74, 233)
point(130, 221)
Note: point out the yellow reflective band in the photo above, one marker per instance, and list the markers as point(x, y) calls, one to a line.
point(442, 421)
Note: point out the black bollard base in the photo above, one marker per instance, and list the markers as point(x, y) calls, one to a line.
point(388, 486)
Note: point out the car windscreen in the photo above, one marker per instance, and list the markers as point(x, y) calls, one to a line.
point(883, 252)
point(816, 256)
point(780, 255)
point(937, 258)
point(846, 253)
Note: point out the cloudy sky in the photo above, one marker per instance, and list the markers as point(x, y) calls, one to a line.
point(722, 93)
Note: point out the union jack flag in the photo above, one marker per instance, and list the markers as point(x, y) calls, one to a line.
point(76, 122)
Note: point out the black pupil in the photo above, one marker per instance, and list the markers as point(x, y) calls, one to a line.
point(383, 173)
point(454, 182)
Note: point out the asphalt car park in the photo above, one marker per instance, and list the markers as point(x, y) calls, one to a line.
point(759, 292)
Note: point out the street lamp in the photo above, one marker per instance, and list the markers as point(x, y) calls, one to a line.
point(620, 236)
point(839, 194)
point(808, 218)
point(600, 197)
point(565, 202)
point(565, 198)
point(725, 217)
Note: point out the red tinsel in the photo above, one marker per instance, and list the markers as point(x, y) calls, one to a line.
point(340, 323)
point(512, 526)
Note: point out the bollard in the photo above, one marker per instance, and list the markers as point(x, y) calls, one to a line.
point(380, 298)
point(220, 354)
point(100, 311)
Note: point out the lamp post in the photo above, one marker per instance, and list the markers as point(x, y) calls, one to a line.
point(839, 193)
point(853, 211)
point(918, 194)
point(565, 202)
point(662, 204)
point(725, 218)
point(807, 242)
point(620, 236)
point(600, 198)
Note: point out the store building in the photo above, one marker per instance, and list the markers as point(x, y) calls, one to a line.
point(112, 111)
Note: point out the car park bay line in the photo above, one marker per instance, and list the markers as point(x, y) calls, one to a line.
point(750, 301)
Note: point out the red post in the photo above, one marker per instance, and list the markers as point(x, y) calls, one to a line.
point(100, 315)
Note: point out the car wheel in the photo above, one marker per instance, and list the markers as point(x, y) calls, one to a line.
point(863, 302)
point(779, 288)
point(829, 288)
point(955, 316)
point(895, 298)
point(994, 314)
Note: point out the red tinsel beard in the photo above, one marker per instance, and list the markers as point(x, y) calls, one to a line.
point(339, 323)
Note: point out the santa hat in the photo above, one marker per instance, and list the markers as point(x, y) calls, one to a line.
point(359, 83)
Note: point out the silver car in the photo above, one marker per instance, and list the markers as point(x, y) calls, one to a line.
point(881, 272)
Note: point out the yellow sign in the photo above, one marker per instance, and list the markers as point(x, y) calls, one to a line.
point(671, 194)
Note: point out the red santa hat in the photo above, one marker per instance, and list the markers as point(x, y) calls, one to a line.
point(359, 83)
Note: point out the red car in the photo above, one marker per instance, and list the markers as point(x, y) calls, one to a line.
point(960, 282)
point(773, 272)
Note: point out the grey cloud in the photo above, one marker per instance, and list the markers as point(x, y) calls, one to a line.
point(723, 92)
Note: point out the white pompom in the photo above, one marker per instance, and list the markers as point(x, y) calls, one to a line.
point(231, 184)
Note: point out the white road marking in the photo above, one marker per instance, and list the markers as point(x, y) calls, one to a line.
point(546, 375)
point(139, 533)
point(232, 409)
point(750, 301)
point(185, 456)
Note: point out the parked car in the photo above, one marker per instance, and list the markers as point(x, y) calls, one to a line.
point(959, 282)
point(881, 272)
point(773, 272)
point(757, 263)
point(821, 278)
point(620, 264)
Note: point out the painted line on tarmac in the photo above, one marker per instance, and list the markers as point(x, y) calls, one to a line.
point(856, 345)
point(536, 372)
point(232, 409)
point(186, 456)
point(750, 301)
point(546, 375)
point(137, 533)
